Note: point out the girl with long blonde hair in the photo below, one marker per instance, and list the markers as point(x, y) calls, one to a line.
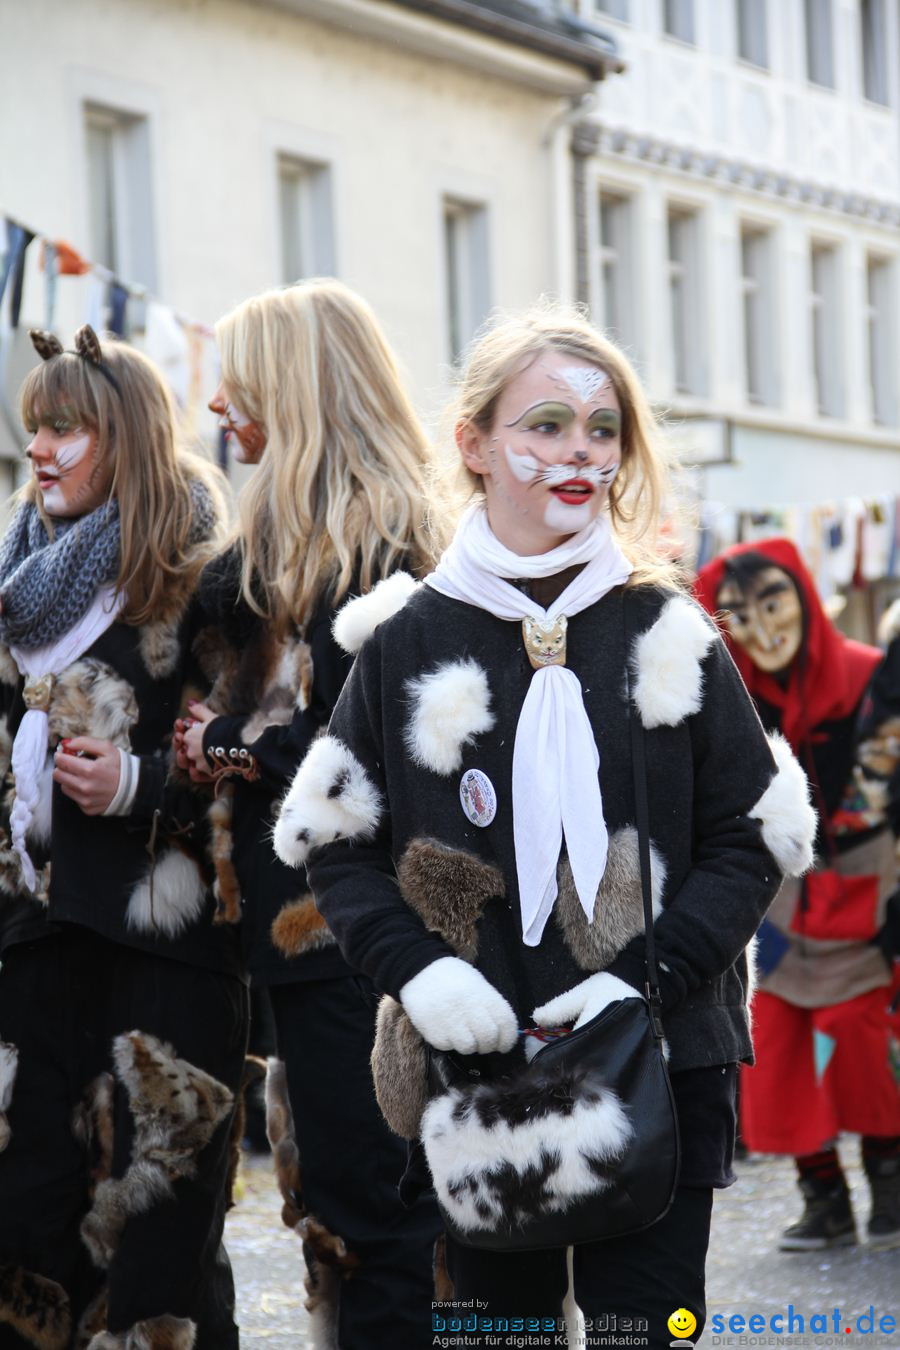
point(336, 506)
point(115, 985)
point(468, 824)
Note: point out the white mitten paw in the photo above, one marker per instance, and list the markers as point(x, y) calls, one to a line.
point(584, 1001)
point(454, 1007)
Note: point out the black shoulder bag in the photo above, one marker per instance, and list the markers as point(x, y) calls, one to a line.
point(581, 1143)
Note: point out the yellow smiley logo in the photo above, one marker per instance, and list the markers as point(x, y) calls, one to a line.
point(682, 1323)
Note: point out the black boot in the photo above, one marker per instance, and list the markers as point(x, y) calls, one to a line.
point(827, 1219)
point(884, 1222)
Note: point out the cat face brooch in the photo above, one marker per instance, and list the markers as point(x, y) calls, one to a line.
point(545, 641)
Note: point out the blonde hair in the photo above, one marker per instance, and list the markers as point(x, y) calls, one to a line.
point(507, 346)
point(134, 421)
point(342, 488)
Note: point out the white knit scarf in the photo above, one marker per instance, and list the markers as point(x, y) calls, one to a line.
point(556, 788)
point(29, 752)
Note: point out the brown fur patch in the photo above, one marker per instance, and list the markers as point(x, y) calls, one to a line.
point(299, 927)
point(91, 699)
point(93, 1320)
point(618, 911)
point(159, 646)
point(226, 888)
point(254, 1073)
point(9, 671)
point(444, 1290)
point(176, 1109)
point(283, 1142)
point(92, 1125)
point(35, 1307)
point(399, 1069)
point(327, 1262)
point(155, 1333)
point(449, 889)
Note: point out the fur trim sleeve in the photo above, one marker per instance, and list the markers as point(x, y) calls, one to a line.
point(667, 664)
point(332, 797)
point(785, 813)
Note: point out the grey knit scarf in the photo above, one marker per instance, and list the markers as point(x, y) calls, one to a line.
point(47, 585)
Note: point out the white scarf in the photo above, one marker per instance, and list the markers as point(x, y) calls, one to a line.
point(556, 788)
point(29, 752)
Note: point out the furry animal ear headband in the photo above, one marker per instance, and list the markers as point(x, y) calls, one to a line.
point(87, 346)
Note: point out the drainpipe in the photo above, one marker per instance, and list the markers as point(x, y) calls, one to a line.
point(585, 142)
point(568, 196)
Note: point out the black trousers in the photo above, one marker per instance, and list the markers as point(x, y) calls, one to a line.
point(351, 1164)
point(646, 1276)
point(63, 1000)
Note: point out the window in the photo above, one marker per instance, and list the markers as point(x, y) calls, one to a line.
point(684, 297)
point(752, 38)
point(874, 42)
point(616, 9)
point(466, 271)
point(819, 45)
point(616, 271)
point(757, 297)
point(120, 204)
point(881, 343)
point(825, 329)
point(307, 233)
point(678, 19)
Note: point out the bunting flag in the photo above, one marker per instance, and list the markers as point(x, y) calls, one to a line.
point(18, 239)
point(118, 308)
point(173, 340)
point(853, 542)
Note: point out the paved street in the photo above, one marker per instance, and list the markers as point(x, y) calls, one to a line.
point(746, 1273)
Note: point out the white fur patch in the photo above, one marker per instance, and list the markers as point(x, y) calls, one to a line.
point(787, 817)
point(169, 900)
point(39, 829)
point(464, 1155)
point(449, 708)
point(331, 797)
point(668, 685)
point(9, 1062)
point(358, 618)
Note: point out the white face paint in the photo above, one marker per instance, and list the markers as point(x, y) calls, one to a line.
point(567, 518)
point(585, 381)
point(71, 454)
point(552, 452)
point(71, 478)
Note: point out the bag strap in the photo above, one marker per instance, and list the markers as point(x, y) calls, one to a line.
point(642, 813)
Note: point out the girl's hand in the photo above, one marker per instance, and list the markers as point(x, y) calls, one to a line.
point(194, 757)
point(87, 770)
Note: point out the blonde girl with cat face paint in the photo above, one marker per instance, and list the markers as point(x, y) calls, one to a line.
point(336, 507)
point(122, 1006)
point(468, 828)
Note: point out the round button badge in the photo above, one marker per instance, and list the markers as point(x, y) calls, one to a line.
point(478, 798)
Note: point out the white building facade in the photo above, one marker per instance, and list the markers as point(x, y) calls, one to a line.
point(746, 236)
point(209, 149)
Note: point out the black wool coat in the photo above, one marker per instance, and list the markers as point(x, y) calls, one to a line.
point(403, 877)
point(145, 879)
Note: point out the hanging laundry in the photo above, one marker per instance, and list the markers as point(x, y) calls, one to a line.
point(50, 264)
point(70, 261)
point(165, 343)
point(118, 308)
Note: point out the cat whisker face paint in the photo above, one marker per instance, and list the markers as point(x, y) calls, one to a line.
point(553, 453)
point(248, 437)
point(71, 474)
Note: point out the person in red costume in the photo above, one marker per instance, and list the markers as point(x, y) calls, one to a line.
point(826, 1032)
